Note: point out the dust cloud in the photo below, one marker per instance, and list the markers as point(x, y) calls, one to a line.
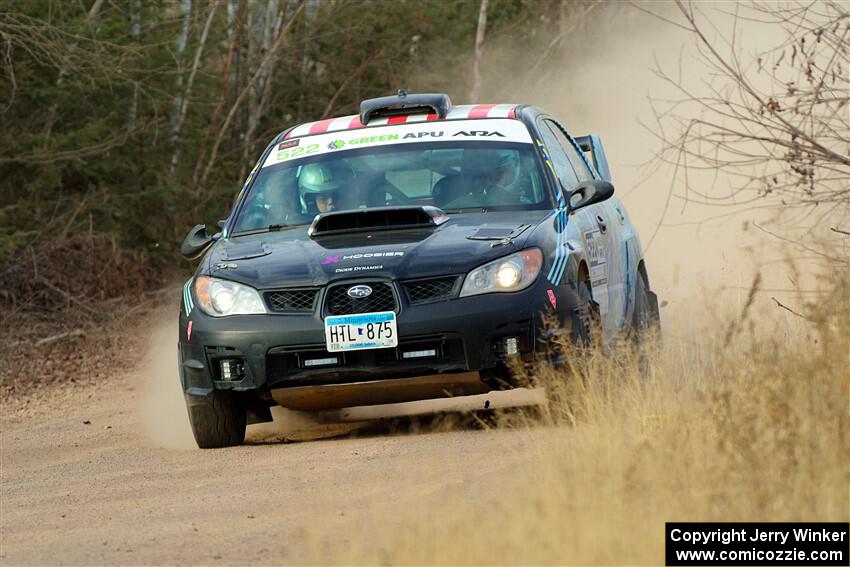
point(164, 410)
point(604, 80)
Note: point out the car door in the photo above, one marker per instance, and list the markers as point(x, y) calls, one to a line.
point(599, 235)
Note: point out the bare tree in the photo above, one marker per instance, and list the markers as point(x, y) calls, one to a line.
point(267, 26)
point(135, 33)
point(177, 125)
point(776, 123)
point(475, 91)
point(268, 57)
point(235, 17)
point(179, 49)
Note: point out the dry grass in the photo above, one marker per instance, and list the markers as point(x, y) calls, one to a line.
point(747, 424)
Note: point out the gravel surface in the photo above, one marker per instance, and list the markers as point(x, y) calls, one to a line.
point(106, 473)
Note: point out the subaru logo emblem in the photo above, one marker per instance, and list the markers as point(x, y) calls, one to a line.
point(359, 291)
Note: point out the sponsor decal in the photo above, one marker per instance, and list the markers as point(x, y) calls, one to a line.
point(597, 256)
point(372, 139)
point(372, 255)
point(318, 140)
point(330, 260)
point(363, 140)
point(189, 331)
point(595, 244)
point(289, 153)
point(289, 144)
point(433, 134)
point(481, 133)
point(552, 299)
point(358, 269)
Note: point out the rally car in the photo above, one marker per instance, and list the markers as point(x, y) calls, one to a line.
point(401, 254)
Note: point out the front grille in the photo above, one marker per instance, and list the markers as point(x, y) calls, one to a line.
point(432, 289)
point(291, 300)
point(381, 299)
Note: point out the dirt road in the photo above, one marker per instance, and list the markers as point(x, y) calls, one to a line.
point(108, 475)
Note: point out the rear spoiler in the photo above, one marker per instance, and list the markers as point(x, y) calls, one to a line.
point(592, 146)
point(378, 218)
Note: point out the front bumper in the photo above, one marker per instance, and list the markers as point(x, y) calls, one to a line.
point(271, 351)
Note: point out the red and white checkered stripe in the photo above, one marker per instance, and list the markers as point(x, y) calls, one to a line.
point(465, 112)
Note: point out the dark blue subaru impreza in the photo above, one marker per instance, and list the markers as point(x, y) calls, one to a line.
point(401, 254)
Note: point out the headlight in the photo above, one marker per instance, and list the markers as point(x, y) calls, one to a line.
point(511, 273)
point(220, 298)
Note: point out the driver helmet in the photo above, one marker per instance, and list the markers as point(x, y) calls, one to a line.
point(501, 167)
point(317, 178)
point(322, 180)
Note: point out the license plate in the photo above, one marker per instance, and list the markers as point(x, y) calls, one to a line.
point(361, 332)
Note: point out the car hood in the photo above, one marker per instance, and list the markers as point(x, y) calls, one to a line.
point(290, 258)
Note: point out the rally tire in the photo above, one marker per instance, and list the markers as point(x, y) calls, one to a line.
point(587, 323)
point(219, 421)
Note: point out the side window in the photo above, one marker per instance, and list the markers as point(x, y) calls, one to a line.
point(559, 158)
point(576, 160)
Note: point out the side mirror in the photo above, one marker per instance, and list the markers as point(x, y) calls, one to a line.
point(196, 242)
point(588, 193)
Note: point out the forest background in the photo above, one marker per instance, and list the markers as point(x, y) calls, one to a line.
point(124, 123)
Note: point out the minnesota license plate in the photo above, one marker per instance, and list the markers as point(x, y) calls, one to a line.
point(361, 332)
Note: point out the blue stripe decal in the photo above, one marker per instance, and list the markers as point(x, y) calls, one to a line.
point(559, 263)
point(187, 297)
point(562, 221)
point(560, 273)
point(558, 248)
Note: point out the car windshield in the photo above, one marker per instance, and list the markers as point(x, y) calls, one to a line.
point(454, 175)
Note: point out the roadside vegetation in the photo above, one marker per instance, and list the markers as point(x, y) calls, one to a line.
point(747, 422)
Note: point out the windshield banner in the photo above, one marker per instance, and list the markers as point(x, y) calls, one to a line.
point(495, 130)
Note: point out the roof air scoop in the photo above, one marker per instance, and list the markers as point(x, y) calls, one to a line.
point(403, 103)
point(379, 218)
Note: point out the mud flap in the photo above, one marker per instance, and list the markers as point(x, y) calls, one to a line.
point(652, 299)
point(655, 313)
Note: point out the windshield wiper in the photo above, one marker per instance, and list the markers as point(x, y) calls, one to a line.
point(270, 228)
point(465, 210)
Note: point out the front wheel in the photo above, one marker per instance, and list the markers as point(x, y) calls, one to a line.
point(217, 420)
point(587, 323)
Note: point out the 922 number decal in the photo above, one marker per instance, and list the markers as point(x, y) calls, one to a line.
point(298, 151)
